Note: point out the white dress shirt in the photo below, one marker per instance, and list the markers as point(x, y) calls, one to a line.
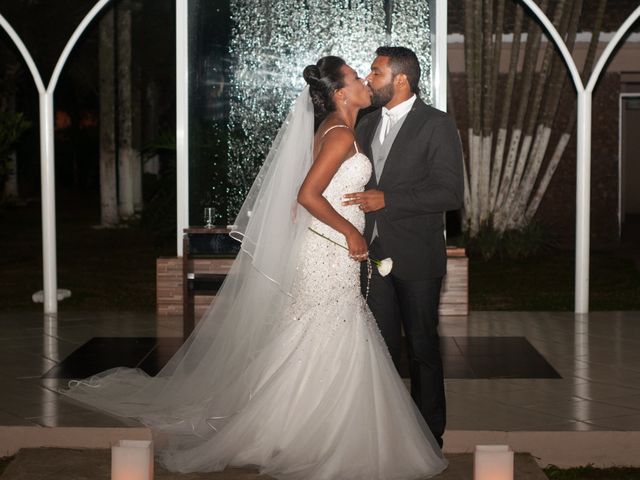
point(391, 116)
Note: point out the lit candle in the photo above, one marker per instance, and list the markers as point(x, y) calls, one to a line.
point(493, 462)
point(132, 460)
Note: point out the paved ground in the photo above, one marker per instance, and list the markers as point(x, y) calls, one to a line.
point(66, 464)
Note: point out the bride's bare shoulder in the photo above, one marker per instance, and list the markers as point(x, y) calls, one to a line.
point(334, 131)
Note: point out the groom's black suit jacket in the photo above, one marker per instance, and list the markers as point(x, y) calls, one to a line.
point(421, 179)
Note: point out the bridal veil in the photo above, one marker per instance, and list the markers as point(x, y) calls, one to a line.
point(206, 381)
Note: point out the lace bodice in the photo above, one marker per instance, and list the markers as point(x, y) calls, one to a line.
point(351, 177)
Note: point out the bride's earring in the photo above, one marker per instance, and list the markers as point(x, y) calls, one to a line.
point(345, 101)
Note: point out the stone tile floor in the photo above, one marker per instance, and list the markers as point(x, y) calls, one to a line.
point(597, 355)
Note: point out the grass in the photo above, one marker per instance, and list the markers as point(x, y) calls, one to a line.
point(591, 473)
point(546, 282)
point(105, 269)
point(114, 269)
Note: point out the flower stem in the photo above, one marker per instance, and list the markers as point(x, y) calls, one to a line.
point(377, 262)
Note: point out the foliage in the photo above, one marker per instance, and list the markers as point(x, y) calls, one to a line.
point(590, 472)
point(159, 214)
point(514, 244)
point(164, 142)
point(541, 283)
point(110, 269)
point(207, 171)
point(12, 126)
point(484, 244)
point(545, 282)
point(510, 153)
point(525, 242)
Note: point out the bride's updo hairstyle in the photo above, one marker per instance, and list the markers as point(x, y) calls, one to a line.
point(324, 78)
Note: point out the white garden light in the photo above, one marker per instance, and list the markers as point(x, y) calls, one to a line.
point(493, 462)
point(132, 460)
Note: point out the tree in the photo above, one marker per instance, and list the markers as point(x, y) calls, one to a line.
point(127, 171)
point(507, 178)
point(108, 183)
point(534, 203)
point(12, 125)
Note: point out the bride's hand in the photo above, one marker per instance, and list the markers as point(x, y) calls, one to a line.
point(357, 245)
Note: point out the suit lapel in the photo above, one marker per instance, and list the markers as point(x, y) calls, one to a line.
point(368, 139)
point(370, 130)
point(404, 137)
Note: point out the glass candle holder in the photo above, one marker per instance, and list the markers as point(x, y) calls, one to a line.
point(209, 216)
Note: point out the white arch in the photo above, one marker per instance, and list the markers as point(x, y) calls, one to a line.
point(6, 26)
point(47, 158)
point(583, 153)
point(557, 38)
point(182, 121)
point(88, 18)
point(613, 43)
point(439, 62)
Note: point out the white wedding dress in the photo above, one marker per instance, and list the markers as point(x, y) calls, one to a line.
point(331, 404)
point(321, 400)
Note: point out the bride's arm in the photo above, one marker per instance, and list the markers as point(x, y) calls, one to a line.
point(337, 145)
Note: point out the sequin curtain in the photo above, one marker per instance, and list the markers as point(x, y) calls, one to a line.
point(273, 40)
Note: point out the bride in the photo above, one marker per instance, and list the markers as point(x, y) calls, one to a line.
point(287, 370)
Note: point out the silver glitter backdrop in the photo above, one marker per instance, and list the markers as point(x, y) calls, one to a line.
point(273, 40)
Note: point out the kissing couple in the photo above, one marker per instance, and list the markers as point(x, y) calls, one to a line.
point(293, 368)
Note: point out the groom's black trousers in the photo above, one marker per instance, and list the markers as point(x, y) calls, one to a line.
point(413, 305)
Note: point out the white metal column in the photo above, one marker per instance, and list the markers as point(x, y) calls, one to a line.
point(583, 202)
point(583, 156)
point(47, 153)
point(439, 62)
point(182, 119)
point(48, 204)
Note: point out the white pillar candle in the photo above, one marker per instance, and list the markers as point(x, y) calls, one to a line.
point(493, 462)
point(132, 460)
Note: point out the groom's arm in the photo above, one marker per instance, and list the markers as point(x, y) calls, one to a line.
point(443, 189)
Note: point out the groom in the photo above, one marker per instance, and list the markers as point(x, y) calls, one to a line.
point(417, 176)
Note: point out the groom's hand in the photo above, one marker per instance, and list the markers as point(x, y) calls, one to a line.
point(367, 201)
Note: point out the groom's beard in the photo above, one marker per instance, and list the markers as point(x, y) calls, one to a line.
point(382, 96)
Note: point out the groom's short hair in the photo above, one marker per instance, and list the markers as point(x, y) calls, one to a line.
point(403, 60)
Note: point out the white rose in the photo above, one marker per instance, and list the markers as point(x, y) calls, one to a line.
point(385, 266)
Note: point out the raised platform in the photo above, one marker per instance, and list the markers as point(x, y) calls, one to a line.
point(169, 287)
